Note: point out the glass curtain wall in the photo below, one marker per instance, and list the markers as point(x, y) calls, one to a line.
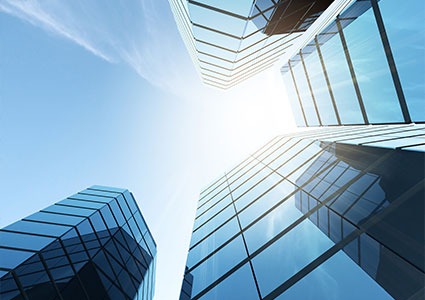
point(365, 67)
point(331, 213)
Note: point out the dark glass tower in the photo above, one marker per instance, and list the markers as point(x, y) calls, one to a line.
point(365, 66)
point(92, 245)
point(330, 213)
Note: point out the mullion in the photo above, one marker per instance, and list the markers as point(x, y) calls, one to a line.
point(244, 241)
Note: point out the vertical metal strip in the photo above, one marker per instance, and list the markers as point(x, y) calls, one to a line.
point(353, 74)
point(298, 94)
point(391, 62)
point(325, 73)
point(310, 88)
point(243, 238)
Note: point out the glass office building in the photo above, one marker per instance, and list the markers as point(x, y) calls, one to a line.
point(230, 41)
point(325, 213)
point(366, 66)
point(92, 245)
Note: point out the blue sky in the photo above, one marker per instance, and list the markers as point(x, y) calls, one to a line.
point(95, 92)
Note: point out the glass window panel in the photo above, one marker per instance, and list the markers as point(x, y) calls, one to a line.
point(130, 201)
point(241, 281)
point(216, 221)
point(245, 166)
point(98, 224)
point(216, 20)
point(107, 189)
point(289, 154)
point(371, 68)
point(265, 202)
point(392, 144)
point(280, 150)
point(38, 228)
point(302, 161)
point(407, 40)
point(254, 167)
point(150, 242)
point(320, 88)
point(107, 216)
point(141, 222)
point(116, 211)
point(91, 198)
point(305, 95)
point(272, 148)
point(135, 229)
point(337, 278)
point(217, 265)
point(213, 210)
point(218, 197)
point(25, 241)
point(81, 203)
point(213, 186)
point(217, 39)
point(260, 188)
point(60, 209)
point(14, 258)
point(99, 193)
point(212, 242)
point(294, 250)
point(242, 190)
point(340, 78)
point(55, 218)
point(271, 224)
point(124, 207)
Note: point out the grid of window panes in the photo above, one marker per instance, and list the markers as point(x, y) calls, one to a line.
point(92, 245)
point(326, 213)
point(230, 41)
point(365, 67)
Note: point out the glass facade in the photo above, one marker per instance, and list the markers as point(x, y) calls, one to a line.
point(92, 245)
point(326, 213)
point(365, 67)
point(230, 41)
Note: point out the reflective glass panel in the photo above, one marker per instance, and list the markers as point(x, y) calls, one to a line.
point(294, 250)
point(337, 278)
point(403, 24)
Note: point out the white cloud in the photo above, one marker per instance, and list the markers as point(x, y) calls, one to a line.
point(141, 34)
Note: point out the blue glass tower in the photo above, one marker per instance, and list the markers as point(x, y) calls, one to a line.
point(92, 245)
point(328, 213)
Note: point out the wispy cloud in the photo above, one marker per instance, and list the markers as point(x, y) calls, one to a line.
point(140, 33)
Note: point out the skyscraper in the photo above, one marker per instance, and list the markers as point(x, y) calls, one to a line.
point(92, 245)
point(331, 213)
point(230, 41)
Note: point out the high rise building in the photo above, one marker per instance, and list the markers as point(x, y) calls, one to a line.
point(365, 65)
point(325, 213)
point(230, 41)
point(92, 245)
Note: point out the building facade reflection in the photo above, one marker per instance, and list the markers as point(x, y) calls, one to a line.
point(338, 209)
